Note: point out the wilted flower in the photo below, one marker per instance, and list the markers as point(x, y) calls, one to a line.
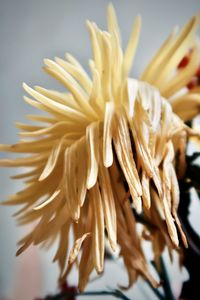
point(109, 140)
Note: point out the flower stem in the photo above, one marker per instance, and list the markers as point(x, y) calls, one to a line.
point(67, 295)
point(166, 283)
point(156, 292)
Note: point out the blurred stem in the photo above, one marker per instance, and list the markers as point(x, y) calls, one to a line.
point(68, 295)
point(166, 283)
point(156, 292)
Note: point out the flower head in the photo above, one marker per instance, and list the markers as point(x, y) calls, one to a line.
point(105, 148)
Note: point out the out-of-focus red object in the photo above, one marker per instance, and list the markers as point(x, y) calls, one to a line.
point(194, 82)
point(196, 78)
point(65, 287)
point(184, 62)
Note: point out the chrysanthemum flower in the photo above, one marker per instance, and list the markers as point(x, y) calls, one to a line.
point(107, 147)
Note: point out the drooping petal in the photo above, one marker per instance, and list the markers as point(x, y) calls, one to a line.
point(97, 228)
point(108, 205)
point(92, 153)
point(107, 135)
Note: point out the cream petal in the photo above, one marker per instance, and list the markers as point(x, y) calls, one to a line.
point(123, 150)
point(107, 135)
point(81, 171)
point(113, 27)
point(97, 228)
point(63, 98)
point(131, 47)
point(175, 203)
point(92, 136)
point(95, 45)
point(53, 159)
point(78, 74)
point(70, 165)
point(67, 111)
point(108, 205)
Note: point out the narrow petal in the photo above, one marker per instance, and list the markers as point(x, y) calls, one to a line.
point(146, 190)
point(70, 165)
point(52, 198)
point(108, 205)
point(95, 45)
point(76, 248)
point(78, 74)
point(81, 171)
point(113, 27)
point(24, 162)
point(123, 150)
point(98, 228)
point(107, 135)
point(85, 268)
point(92, 134)
point(59, 73)
point(55, 106)
point(63, 98)
point(175, 203)
point(61, 253)
point(131, 47)
point(52, 159)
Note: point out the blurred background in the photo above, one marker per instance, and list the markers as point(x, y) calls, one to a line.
point(33, 30)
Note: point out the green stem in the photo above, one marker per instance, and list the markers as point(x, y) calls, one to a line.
point(166, 283)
